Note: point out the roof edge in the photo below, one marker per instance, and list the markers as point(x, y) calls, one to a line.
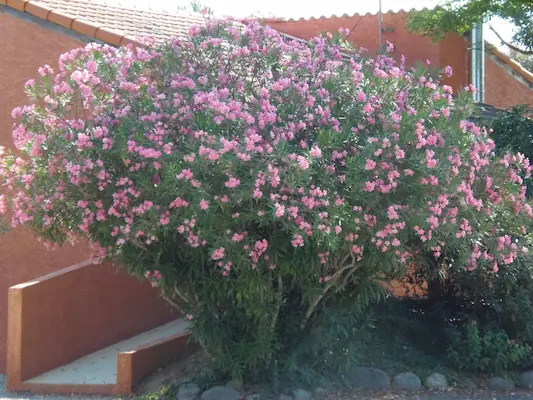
point(78, 25)
point(511, 63)
point(334, 16)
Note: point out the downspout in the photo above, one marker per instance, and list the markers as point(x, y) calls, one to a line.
point(478, 62)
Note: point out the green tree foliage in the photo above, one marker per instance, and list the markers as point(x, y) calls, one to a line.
point(460, 16)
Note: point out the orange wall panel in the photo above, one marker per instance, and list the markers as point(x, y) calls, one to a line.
point(75, 311)
point(502, 89)
point(25, 47)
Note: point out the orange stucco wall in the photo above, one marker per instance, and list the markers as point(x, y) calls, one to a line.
point(501, 88)
point(24, 47)
point(365, 33)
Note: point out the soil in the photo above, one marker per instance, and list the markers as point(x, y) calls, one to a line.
point(174, 372)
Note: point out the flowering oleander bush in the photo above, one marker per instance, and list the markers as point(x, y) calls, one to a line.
point(257, 180)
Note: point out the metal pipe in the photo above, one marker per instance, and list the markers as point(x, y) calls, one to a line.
point(478, 61)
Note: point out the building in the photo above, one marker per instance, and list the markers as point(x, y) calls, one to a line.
point(507, 83)
point(61, 314)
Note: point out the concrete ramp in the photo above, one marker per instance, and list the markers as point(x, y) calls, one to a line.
point(100, 368)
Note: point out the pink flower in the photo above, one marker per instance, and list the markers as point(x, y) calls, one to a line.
point(185, 174)
point(232, 182)
point(370, 165)
point(369, 186)
point(238, 237)
point(204, 204)
point(315, 152)
point(280, 210)
point(399, 153)
point(297, 240)
point(392, 214)
point(302, 162)
point(218, 253)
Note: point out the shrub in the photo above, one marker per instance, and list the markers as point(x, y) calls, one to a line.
point(260, 181)
point(491, 351)
point(513, 131)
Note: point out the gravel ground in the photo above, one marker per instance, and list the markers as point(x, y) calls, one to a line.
point(4, 395)
point(389, 396)
point(436, 396)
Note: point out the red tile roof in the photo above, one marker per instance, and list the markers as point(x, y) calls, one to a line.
point(111, 23)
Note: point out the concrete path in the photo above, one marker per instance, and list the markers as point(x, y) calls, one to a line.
point(100, 367)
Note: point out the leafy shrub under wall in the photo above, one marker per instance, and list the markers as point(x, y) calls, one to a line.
point(513, 131)
point(490, 351)
point(259, 181)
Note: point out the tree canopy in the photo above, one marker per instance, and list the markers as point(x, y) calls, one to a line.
point(460, 16)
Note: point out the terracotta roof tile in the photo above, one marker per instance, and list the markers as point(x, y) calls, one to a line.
point(130, 22)
point(16, 4)
point(345, 15)
point(111, 23)
point(37, 9)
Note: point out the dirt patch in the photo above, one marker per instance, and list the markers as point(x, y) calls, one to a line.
point(174, 372)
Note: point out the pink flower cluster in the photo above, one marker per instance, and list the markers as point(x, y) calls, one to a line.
point(249, 149)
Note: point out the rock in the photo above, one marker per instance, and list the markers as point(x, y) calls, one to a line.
point(284, 397)
point(221, 393)
point(370, 378)
point(408, 381)
point(526, 379)
point(300, 394)
point(235, 384)
point(321, 393)
point(499, 383)
point(436, 381)
point(188, 391)
point(254, 396)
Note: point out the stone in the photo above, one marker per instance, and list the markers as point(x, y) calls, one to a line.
point(499, 383)
point(235, 384)
point(436, 381)
point(300, 394)
point(188, 391)
point(254, 396)
point(370, 378)
point(408, 381)
point(221, 393)
point(526, 380)
point(284, 397)
point(321, 393)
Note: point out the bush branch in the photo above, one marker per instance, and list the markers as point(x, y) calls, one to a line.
point(336, 276)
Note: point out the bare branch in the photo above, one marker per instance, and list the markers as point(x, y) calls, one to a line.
point(279, 301)
point(336, 276)
point(510, 45)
